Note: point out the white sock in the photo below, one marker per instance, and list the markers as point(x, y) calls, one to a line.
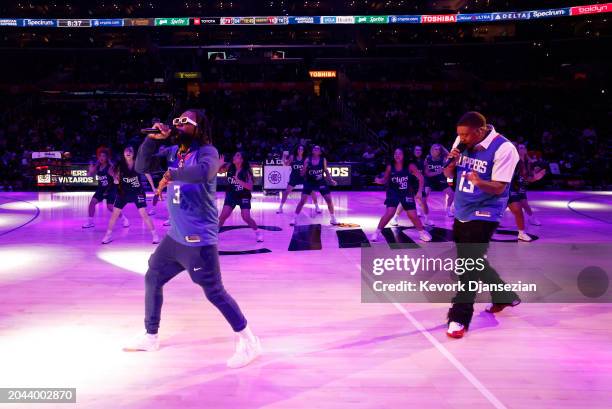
point(521, 232)
point(246, 334)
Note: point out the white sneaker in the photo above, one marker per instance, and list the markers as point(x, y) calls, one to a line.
point(154, 237)
point(126, 222)
point(332, 220)
point(144, 342)
point(88, 225)
point(424, 235)
point(394, 221)
point(246, 352)
point(108, 237)
point(455, 330)
point(375, 236)
point(534, 220)
point(294, 222)
point(151, 212)
point(522, 236)
point(259, 236)
point(279, 210)
point(318, 210)
point(167, 223)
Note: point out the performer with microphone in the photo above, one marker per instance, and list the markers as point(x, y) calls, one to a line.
point(191, 243)
point(483, 163)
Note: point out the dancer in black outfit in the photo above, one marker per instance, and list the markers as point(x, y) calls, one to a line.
point(240, 180)
point(296, 161)
point(399, 175)
point(129, 190)
point(106, 190)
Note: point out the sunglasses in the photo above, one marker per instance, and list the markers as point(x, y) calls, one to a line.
point(183, 121)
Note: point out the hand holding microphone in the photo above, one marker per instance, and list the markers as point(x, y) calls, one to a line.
point(158, 131)
point(454, 154)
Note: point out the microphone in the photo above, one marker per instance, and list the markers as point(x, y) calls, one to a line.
point(156, 131)
point(448, 161)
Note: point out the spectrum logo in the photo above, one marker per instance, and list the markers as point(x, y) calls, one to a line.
point(549, 13)
point(40, 23)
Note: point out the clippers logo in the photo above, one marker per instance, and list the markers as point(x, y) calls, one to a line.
point(275, 177)
point(592, 9)
point(439, 18)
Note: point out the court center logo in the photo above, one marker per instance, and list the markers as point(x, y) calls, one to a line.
point(275, 177)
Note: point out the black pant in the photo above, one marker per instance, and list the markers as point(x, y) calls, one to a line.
point(472, 240)
point(202, 263)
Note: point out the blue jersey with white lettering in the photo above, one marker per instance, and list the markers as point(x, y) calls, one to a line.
point(192, 206)
point(471, 203)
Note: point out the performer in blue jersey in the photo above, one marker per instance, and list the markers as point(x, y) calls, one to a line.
point(483, 167)
point(399, 175)
point(435, 181)
point(191, 243)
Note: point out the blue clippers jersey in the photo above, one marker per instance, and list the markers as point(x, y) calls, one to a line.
point(472, 203)
point(192, 206)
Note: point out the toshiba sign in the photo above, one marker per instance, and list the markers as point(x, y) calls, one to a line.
point(439, 18)
point(322, 74)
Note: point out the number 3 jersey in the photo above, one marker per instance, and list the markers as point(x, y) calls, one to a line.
point(492, 159)
point(192, 206)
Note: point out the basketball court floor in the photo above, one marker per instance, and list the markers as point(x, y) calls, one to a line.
point(68, 303)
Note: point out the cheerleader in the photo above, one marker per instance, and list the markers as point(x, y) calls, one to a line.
point(240, 179)
point(517, 202)
point(317, 177)
point(296, 161)
point(434, 176)
point(399, 175)
point(106, 189)
point(129, 190)
point(417, 159)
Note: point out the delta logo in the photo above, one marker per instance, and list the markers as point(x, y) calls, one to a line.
point(438, 18)
point(521, 15)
